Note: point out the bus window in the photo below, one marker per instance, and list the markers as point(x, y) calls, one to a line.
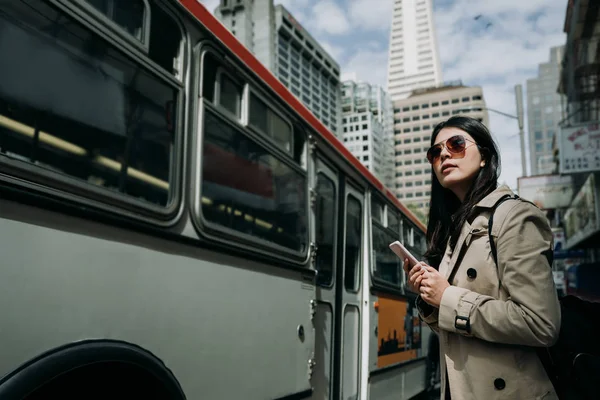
point(229, 94)
point(74, 105)
point(377, 210)
point(393, 223)
point(267, 121)
point(210, 66)
point(353, 243)
point(387, 264)
point(247, 190)
point(420, 243)
point(407, 231)
point(325, 220)
point(129, 15)
point(165, 41)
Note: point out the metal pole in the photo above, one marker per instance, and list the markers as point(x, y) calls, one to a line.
point(519, 96)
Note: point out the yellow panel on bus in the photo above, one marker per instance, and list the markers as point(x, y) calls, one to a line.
point(398, 330)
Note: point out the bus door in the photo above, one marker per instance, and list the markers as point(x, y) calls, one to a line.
point(348, 282)
point(326, 231)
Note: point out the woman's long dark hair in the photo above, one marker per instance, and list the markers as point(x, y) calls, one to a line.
point(447, 214)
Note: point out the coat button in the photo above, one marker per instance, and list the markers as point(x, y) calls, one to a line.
point(499, 383)
point(472, 273)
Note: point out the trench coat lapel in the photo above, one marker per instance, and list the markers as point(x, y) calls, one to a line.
point(464, 232)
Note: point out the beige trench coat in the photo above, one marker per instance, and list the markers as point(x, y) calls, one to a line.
point(509, 310)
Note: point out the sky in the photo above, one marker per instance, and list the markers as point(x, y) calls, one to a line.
point(495, 57)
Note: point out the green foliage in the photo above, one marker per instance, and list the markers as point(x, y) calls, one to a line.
point(419, 213)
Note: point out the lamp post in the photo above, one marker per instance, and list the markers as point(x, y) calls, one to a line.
point(519, 95)
point(518, 117)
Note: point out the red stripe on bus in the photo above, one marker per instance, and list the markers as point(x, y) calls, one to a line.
point(220, 32)
point(226, 168)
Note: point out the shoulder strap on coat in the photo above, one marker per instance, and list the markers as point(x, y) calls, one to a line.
point(491, 222)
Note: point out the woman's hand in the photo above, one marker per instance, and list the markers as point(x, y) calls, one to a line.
point(415, 275)
point(432, 287)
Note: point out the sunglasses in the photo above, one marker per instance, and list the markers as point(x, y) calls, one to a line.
point(456, 145)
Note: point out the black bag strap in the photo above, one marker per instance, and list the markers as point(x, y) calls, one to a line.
point(491, 222)
point(543, 352)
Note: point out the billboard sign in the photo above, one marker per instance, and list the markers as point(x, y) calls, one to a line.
point(581, 219)
point(547, 191)
point(579, 149)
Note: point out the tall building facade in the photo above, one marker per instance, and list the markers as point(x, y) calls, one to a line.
point(367, 126)
point(414, 120)
point(544, 113)
point(289, 52)
point(413, 60)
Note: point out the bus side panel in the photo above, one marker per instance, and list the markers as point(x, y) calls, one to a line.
point(398, 384)
point(395, 350)
point(226, 327)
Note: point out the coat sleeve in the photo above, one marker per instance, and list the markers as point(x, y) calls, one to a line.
point(531, 315)
point(428, 313)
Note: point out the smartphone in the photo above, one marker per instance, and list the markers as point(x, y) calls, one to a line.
point(403, 253)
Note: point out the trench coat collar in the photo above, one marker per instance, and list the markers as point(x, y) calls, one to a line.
point(487, 202)
point(491, 199)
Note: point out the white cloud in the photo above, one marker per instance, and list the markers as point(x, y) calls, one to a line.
point(371, 14)
point(329, 17)
point(298, 8)
point(498, 57)
point(334, 51)
point(369, 66)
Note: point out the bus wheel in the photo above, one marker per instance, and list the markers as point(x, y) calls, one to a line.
point(108, 380)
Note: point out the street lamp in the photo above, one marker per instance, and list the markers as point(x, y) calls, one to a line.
point(518, 117)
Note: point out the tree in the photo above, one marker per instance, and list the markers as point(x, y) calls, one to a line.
point(415, 209)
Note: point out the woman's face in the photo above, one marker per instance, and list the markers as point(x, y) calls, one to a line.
point(457, 171)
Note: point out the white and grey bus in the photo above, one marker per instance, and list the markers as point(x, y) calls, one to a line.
point(175, 224)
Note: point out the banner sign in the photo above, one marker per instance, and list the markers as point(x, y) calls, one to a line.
point(581, 219)
point(579, 149)
point(547, 191)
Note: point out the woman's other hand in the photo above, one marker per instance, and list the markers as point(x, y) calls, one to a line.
point(432, 286)
point(415, 275)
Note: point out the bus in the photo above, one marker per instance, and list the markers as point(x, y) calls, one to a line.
point(176, 224)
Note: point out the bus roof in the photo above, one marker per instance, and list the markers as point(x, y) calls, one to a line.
point(228, 39)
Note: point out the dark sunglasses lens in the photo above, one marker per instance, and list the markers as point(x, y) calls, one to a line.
point(433, 153)
point(456, 144)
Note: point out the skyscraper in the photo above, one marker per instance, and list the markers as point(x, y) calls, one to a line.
point(289, 52)
point(414, 120)
point(544, 112)
point(368, 127)
point(413, 60)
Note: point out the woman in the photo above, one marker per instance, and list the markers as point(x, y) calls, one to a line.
point(489, 318)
